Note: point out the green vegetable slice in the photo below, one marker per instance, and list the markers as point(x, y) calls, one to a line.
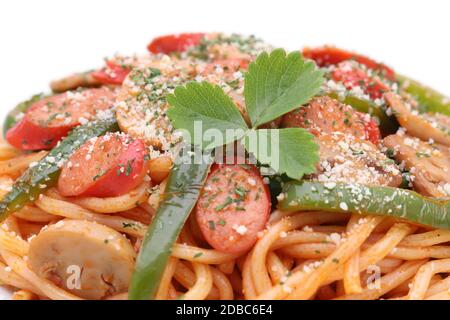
point(182, 192)
point(45, 173)
point(429, 99)
point(356, 198)
point(11, 117)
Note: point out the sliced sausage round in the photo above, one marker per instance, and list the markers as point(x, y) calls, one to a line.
point(50, 119)
point(234, 206)
point(326, 115)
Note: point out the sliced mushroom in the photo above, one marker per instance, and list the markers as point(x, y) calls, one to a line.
point(86, 80)
point(141, 103)
point(88, 259)
point(428, 163)
point(424, 126)
point(142, 106)
point(74, 81)
point(345, 158)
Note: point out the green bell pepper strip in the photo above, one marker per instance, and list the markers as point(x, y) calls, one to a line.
point(44, 175)
point(11, 117)
point(429, 99)
point(181, 194)
point(360, 199)
point(388, 124)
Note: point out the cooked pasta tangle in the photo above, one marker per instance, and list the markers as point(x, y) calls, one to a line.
point(301, 255)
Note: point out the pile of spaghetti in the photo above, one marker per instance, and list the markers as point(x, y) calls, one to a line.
point(95, 206)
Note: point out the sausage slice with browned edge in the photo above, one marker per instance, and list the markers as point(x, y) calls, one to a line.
point(324, 115)
point(234, 206)
point(108, 166)
point(50, 119)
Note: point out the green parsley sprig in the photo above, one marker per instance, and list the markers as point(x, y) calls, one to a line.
point(275, 84)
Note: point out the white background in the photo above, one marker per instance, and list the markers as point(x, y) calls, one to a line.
point(41, 40)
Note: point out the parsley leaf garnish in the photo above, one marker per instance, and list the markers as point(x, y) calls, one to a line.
point(209, 105)
point(275, 84)
point(298, 153)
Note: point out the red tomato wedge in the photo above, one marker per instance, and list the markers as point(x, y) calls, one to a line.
point(174, 42)
point(50, 119)
point(327, 55)
point(352, 76)
point(112, 74)
point(109, 166)
point(234, 206)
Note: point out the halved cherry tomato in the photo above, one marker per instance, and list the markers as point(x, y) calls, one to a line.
point(50, 119)
point(111, 74)
point(352, 76)
point(234, 206)
point(327, 55)
point(109, 166)
point(174, 42)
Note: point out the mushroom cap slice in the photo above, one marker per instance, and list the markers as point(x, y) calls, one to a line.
point(345, 158)
point(424, 126)
point(85, 258)
point(142, 106)
point(428, 163)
